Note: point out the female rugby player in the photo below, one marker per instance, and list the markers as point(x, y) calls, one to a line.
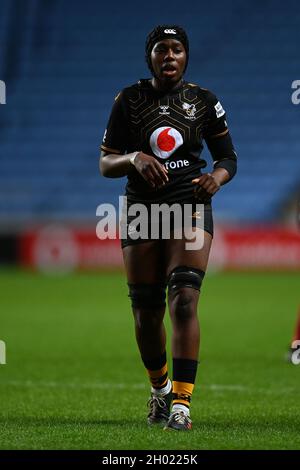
point(154, 136)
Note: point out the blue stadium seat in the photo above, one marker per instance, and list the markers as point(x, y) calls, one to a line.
point(68, 67)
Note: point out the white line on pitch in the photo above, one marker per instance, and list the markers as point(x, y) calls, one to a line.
point(140, 386)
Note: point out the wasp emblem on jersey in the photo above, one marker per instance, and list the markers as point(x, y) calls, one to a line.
point(164, 141)
point(190, 110)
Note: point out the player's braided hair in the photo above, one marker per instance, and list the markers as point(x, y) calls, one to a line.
point(162, 32)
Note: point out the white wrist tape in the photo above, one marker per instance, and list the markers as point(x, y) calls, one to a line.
point(132, 157)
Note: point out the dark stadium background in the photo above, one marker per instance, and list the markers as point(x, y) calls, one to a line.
point(64, 314)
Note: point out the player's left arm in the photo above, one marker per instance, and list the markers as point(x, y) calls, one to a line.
point(219, 143)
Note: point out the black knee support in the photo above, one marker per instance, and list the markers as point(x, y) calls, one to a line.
point(183, 276)
point(147, 295)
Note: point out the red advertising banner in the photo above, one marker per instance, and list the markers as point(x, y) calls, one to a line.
point(257, 248)
point(64, 248)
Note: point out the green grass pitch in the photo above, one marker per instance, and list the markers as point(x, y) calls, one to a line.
point(74, 380)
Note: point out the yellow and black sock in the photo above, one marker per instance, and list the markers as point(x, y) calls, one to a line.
point(184, 375)
point(158, 371)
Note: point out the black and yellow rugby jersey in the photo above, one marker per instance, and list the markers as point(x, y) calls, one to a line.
point(170, 127)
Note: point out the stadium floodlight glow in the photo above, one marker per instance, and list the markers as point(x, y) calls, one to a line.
point(2, 353)
point(2, 92)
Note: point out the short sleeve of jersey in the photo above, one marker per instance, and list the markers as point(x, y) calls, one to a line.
point(115, 138)
point(216, 118)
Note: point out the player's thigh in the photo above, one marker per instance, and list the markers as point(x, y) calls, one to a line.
point(145, 262)
point(177, 254)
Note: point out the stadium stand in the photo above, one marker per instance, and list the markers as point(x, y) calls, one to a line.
point(63, 66)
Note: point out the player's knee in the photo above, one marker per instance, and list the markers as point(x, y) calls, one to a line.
point(146, 320)
point(183, 304)
point(147, 296)
point(184, 277)
point(183, 297)
point(183, 284)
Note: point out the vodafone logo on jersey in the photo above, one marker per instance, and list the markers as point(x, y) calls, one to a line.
point(164, 141)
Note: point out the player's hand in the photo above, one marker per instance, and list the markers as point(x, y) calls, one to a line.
point(151, 170)
point(206, 186)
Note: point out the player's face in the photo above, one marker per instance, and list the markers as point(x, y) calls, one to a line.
point(168, 60)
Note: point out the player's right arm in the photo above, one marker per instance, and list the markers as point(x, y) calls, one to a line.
point(115, 162)
point(115, 165)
